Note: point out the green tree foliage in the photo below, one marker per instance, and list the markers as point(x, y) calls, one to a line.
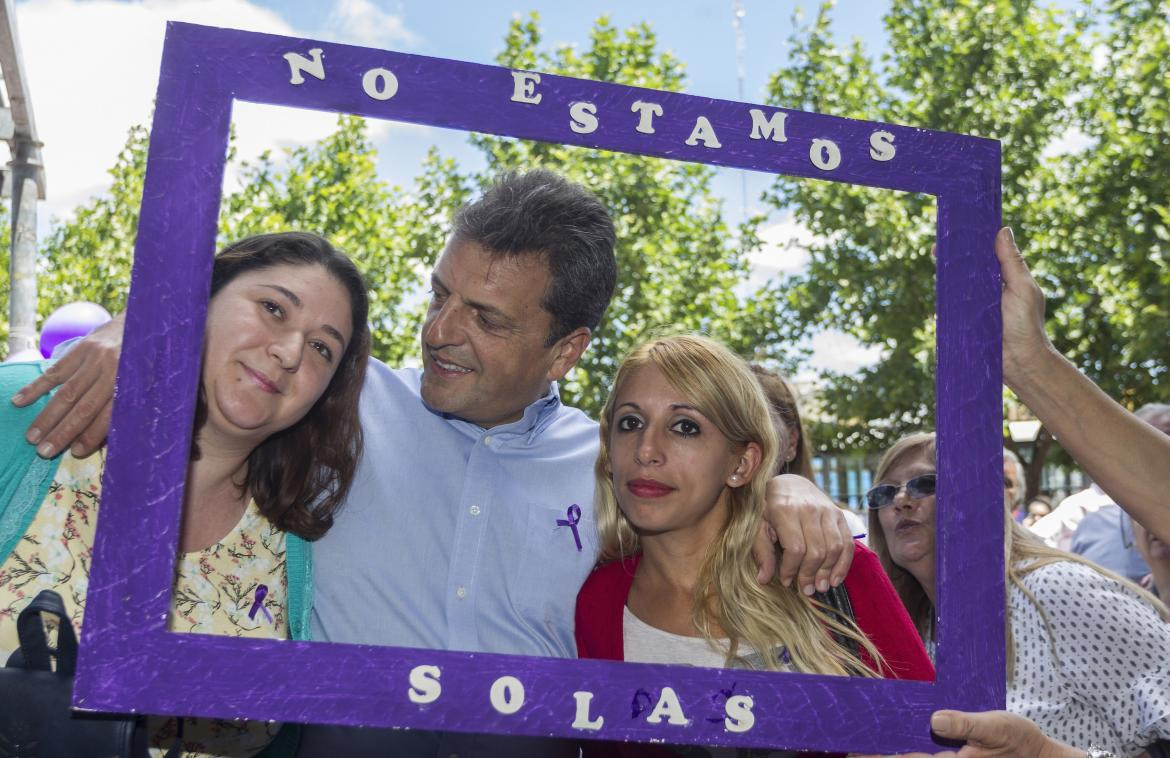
point(678, 261)
point(88, 257)
point(1107, 250)
point(330, 188)
point(1006, 69)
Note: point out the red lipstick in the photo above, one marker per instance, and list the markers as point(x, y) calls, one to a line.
point(648, 488)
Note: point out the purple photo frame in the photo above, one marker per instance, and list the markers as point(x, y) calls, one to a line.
point(130, 663)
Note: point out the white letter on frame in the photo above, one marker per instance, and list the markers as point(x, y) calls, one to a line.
point(739, 713)
point(582, 720)
point(424, 684)
point(668, 706)
point(703, 132)
point(298, 63)
point(646, 113)
point(825, 154)
point(524, 87)
point(507, 695)
point(772, 127)
point(584, 118)
point(380, 84)
point(881, 146)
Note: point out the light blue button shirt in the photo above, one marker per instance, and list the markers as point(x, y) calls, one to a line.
point(450, 536)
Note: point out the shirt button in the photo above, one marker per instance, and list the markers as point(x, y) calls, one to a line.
point(487, 440)
point(461, 592)
point(473, 510)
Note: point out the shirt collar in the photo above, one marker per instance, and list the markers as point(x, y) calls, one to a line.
point(536, 418)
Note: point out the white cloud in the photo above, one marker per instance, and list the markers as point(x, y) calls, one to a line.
point(837, 351)
point(785, 252)
point(1071, 142)
point(363, 23)
point(92, 69)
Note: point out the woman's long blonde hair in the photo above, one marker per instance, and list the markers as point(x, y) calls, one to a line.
point(767, 618)
point(1023, 552)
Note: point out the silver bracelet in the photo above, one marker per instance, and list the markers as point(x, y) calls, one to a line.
point(1098, 752)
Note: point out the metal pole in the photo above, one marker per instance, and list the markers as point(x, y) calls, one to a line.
point(22, 262)
point(737, 22)
point(27, 176)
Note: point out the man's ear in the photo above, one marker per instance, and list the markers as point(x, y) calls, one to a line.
point(567, 352)
point(747, 465)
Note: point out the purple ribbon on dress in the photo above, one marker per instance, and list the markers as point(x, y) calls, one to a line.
point(574, 514)
point(258, 603)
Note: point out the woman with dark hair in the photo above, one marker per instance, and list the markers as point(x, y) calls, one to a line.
point(687, 448)
point(1087, 649)
point(796, 457)
point(275, 444)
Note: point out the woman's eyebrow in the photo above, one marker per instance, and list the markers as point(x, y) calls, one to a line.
point(292, 296)
point(334, 334)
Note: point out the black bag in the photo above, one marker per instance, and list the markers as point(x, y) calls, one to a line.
point(35, 719)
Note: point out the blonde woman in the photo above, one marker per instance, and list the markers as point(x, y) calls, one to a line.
point(1088, 651)
point(687, 445)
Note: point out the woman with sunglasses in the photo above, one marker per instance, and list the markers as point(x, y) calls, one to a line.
point(1088, 651)
point(687, 447)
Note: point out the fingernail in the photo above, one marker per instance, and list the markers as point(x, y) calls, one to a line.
point(823, 585)
point(45, 450)
point(808, 589)
point(1011, 235)
point(941, 723)
point(835, 581)
point(18, 398)
point(32, 435)
point(77, 450)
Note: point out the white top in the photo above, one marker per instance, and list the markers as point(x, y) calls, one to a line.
point(649, 644)
point(1110, 684)
point(1057, 528)
point(643, 643)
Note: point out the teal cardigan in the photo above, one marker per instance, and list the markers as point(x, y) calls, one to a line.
point(24, 482)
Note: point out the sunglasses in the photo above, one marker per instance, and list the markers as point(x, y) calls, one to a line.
point(884, 494)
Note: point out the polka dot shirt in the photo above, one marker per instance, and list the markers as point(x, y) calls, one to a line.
point(1107, 682)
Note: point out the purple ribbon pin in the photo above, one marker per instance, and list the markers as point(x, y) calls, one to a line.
point(574, 514)
point(258, 603)
point(719, 700)
point(641, 702)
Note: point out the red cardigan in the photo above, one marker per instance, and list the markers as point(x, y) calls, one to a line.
point(876, 607)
